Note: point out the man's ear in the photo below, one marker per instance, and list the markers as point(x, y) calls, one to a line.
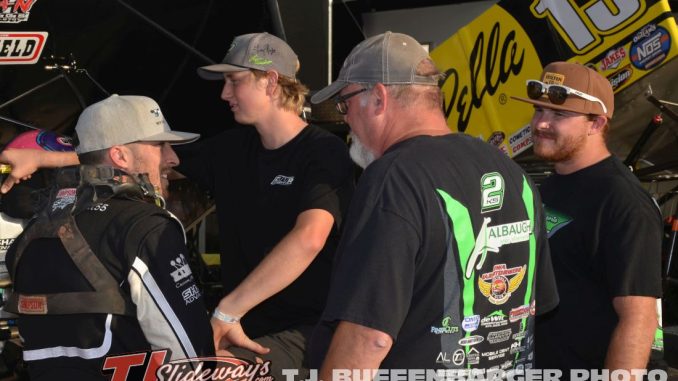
point(121, 157)
point(598, 125)
point(380, 98)
point(272, 84)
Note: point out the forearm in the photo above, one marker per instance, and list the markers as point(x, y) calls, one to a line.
point(356, 349)
point(632, 338)
point(283, 265)
point(58, 159)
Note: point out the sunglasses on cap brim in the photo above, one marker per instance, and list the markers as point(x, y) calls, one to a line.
point(557, 94)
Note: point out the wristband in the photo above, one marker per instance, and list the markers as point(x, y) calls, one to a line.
point(225, 318)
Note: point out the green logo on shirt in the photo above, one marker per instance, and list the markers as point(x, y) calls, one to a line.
point(555, 221)
point(492, 187)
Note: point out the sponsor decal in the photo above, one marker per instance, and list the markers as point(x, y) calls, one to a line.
point(182, 270)
point(521, 140)
point(496, 354)
point(554, 78)
point(496, 138)
point(21, 48)
point(471, 340)
point(470, 323)
point(255, 59)
point(492, 192)
point(555, 221)
point(491, 238)
point(494, 320)
point(499, 284)
point(32, 305)
point(506, 365)
point(64, 198)
point(191, 294)
point(519, 335)
point(283, 180)
point(446, 328)
point(154, 365)
point(473, 357)
point(458, 357)
point(516, 348)
point(15, 11)
point(613, 58)
point(519, 313)
point(619, 78)
point(5, 243)
point(499, 336)
point(443, 358)
point(98, 207)
point(650, 47)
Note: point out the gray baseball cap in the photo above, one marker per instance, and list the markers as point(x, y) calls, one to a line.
point(260, 51)
point(389, 58)
point(123, 119)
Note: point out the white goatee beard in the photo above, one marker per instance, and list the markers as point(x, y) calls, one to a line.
point(359, 153)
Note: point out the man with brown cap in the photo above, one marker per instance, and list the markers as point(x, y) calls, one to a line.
point(604, 229)
point(444, 244)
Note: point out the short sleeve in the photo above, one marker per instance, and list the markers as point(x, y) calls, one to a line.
point(357, 295)
point(630, 244)
point(328, 181)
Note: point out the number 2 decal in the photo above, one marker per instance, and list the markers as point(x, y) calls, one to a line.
point(492, 186)
point(583, 27)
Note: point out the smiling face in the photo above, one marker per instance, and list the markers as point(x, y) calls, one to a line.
point(246, 95)
point(156, 159)
point(559, 136)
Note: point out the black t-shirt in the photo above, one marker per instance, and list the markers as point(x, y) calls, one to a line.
point(605, 235)
point(259, 194)
point(144, 250)
point(444, 248)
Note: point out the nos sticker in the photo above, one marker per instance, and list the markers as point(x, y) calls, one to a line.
point(21, 48)
point(650, 47)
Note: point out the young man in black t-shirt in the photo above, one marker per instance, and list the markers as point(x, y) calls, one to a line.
point(281, 190)
point(604, 230)
point(443, 262)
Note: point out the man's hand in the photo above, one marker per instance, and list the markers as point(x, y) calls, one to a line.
point(24, 163)
point(231, 334)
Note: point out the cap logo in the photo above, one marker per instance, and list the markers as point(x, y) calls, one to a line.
point(255, 59)
point(156, 112)
point(553, 78)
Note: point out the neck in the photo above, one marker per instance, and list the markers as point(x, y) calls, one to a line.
point(591, 154)
point(410, 123)
point(279, 127)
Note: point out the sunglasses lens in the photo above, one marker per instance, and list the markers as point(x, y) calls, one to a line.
point(557, 94)
point(534, 89)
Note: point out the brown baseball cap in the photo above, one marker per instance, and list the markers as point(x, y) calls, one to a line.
point(580, 78)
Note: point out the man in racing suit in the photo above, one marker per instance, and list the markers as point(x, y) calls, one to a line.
point(103, 268)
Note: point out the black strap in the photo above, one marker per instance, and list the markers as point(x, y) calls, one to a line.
point(106, 297)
